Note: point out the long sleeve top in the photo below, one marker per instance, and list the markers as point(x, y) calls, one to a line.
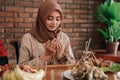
point(30, 49)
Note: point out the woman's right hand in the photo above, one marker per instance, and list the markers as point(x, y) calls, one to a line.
point(51, 46)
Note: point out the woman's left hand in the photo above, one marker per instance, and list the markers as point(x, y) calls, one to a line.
point(51, 46)
point(59, 48)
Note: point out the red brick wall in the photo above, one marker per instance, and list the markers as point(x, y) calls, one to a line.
point(18, 16)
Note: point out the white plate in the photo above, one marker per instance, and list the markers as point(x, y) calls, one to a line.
point(67, 74)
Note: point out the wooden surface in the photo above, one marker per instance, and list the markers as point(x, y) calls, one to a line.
point(58, 69)
point(61, 68)
point(107, 56)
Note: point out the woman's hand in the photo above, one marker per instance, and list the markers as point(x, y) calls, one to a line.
point(59, 49)
point(54, 47)
point(51, 46)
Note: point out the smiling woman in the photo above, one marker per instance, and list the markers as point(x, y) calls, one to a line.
point(53, 21)
point(45, 42)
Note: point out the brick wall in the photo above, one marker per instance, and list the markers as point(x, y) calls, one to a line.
point(18, 16)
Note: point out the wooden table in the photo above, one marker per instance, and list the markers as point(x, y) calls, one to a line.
point(61, 68)
point(58, 69)
point(107, 56)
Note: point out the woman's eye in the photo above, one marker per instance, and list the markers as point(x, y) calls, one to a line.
point(49, 18)
point(58, 19)
point(52, 18)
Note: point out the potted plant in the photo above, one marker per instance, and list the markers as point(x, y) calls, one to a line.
point(109, 13)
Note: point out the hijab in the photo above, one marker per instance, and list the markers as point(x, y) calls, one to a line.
point(40, 31)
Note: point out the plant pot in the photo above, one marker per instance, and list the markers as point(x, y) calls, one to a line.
point(112, 48)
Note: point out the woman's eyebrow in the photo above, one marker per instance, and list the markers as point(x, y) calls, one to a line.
point(58, 16)
point(50, 16)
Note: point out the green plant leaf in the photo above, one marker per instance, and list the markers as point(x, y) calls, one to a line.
point(101, 13)
point(115, 27)
point(103, 33)
point(114, 11)
point(109, 13)
point(113, 68)
point(109, 2)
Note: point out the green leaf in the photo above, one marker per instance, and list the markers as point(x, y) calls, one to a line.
point(101, 13)
point(114, 11)
point(103, 33)
point(109, 13)
point(109, 2)
point(115, 27)
point(113, 68)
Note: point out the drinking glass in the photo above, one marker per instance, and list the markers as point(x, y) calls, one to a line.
point(41, 65)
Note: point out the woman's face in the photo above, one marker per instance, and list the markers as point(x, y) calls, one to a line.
point(53, 20)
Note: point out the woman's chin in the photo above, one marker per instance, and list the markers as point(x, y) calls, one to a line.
point(52, 29)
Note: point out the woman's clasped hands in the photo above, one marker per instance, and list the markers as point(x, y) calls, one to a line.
point(54, 47)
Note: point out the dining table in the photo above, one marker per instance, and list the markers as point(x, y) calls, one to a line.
point(59, 72)
point(102, 53)
point(56, 72)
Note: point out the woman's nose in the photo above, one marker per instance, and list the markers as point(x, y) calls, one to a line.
point(54, 22)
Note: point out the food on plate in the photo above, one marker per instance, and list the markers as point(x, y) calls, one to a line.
point(114, 68)
point(89, 67)
point(3, 68)
point(17, 72)
point(27, 68)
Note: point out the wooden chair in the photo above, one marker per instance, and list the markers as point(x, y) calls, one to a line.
point(16, 45)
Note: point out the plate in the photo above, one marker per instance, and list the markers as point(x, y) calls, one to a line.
point(67, 74)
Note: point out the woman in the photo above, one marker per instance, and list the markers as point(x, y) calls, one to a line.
point(46, 41)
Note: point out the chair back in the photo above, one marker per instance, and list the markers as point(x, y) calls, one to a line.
point(16, 45)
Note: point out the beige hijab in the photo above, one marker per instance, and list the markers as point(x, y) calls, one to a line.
point(40, 32)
